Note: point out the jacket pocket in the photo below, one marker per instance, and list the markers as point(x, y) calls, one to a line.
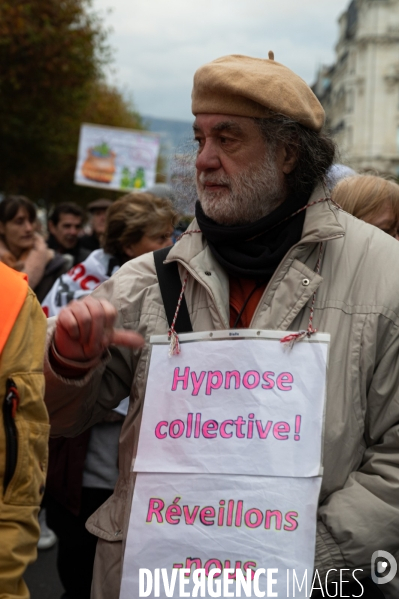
point(27, 434)
point(107, 522)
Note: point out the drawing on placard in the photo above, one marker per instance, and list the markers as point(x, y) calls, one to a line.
point(130, 180)
point(99, 164)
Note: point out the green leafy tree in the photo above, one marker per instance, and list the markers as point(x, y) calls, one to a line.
point(52, 54)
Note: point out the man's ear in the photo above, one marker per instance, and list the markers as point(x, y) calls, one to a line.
point(290, 158)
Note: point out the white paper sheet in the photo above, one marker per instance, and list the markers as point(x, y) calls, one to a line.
point(196, 420)
point(287, 507)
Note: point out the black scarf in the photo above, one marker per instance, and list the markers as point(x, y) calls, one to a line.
point(254, 250)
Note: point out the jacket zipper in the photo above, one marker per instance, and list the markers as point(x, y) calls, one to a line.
point(10, 405)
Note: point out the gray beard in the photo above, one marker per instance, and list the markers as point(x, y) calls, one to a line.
point(248, 197)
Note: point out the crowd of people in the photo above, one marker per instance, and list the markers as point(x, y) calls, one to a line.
point(67, 265)
point(273, 206)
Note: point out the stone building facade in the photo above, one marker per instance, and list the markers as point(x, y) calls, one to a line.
point(360, 92)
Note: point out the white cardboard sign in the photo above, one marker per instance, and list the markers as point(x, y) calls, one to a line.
point(243, 406)
point(116, 158)
point(208, 521)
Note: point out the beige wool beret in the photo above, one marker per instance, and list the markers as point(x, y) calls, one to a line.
point(254, 87)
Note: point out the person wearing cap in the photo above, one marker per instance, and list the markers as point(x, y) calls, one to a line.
point(336, 173)
point(264, 240)
point(98, 213)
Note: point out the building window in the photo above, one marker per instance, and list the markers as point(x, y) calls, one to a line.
point(350, 100)
point(351, 20)
point(352, 62)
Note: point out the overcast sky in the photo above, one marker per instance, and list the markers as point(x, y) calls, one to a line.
point(160, 43)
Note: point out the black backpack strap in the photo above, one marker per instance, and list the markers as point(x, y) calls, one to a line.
point(170, 285)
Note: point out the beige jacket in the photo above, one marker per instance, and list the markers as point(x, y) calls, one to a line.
point(357, 303)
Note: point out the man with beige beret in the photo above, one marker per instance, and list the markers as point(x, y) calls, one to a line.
point(267, 250)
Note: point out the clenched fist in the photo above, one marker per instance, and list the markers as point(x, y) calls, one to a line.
point(85, 328)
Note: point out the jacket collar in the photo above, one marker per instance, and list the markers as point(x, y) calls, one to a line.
point(321, 223)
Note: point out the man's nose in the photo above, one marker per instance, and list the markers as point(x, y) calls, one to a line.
point(207, 157)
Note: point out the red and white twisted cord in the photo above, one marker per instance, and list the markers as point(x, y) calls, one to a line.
point(174, 347)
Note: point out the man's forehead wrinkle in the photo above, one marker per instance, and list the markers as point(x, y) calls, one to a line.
point(228, 126)
point(232, 126)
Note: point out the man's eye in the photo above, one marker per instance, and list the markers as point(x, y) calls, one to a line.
point(226, 140)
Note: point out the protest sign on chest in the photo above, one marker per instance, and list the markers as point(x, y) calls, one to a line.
point(228, 463)
point(208, 521)
point(243, 405)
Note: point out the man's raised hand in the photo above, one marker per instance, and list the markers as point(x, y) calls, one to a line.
point(85, 328)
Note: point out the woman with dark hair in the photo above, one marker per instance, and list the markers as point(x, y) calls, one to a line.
point(23, 249)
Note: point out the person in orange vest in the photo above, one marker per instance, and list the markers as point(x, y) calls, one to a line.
point(24, 431)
